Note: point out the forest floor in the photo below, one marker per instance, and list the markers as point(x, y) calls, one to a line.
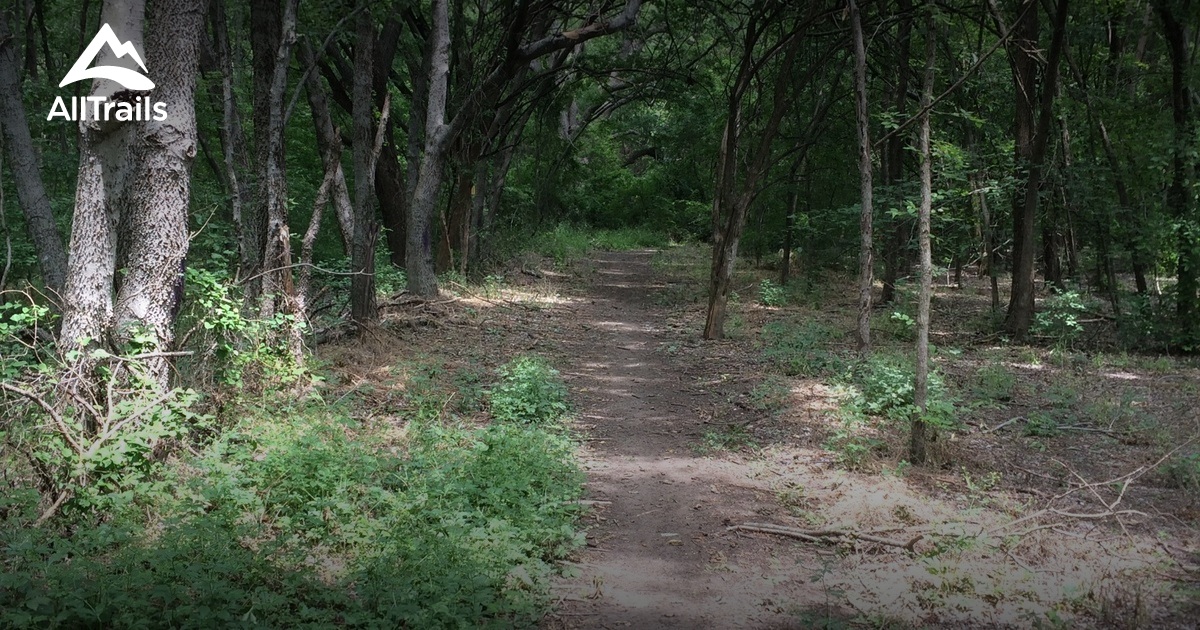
point(1052, 504)
point(1067, 493)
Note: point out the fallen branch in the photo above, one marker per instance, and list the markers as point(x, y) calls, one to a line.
point(1085, 429)
point(1003, 424)
point(50, 511)
point(824, 535)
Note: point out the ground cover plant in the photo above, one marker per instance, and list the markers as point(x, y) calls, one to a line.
point(458, 314)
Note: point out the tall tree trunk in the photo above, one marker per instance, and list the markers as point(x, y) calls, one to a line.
point(329, 142)
point(104, 167)
point(866, 263)
point(1022, 47)
point(389, 179)
point(266, 40)
point(274, 33)
point(1179, 196)
point(733, 197)
point(1124, 201)
point(396, 216)
point(1052, 264)
point(1031, 143)
point(271, 66)
point(789, 223)
point(422, 280)
point(363, 307)
point(155, 215)
point(478, 207)
point(916, 447)
point(899, 230)
point(979, 197)
point(31, 193)
point(233, 138)
point(455, 241)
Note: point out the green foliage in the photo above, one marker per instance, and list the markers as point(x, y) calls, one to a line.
point(567, 243)
point(245, 352)
point(852, 440)
point(771, 294)
point(802, 349)
point(1183, 472)
point(1060, 318)
point(627, 238)
point(1041, 424)
point(772, 394)
point(529, 392)
point(900, 326)
point(995, 382)
point(885, 386)
point(21, 324)
point(308, 519)
point(1146, 325)
point(102, 455)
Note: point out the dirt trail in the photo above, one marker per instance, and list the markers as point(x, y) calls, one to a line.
point(658, 554)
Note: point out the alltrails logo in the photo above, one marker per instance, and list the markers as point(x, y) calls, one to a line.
point(123, 107)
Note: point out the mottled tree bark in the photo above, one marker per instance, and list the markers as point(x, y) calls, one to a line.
point(155, 214)
point(733, 198)
point(1032, 139)
point(419, 261)
point(233, 139)
point(274, 280)
point(439, 132)
point(104, 165)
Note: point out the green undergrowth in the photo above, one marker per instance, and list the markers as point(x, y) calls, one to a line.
point(306, 515)
point(567, 243)
point(876, 394)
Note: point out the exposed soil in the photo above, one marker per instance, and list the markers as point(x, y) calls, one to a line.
point(666, 419)
point(659, 555)
point(684, 438)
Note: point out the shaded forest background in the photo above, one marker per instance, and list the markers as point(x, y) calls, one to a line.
point(327, 161)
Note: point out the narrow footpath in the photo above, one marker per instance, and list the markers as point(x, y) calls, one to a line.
point(658, 553)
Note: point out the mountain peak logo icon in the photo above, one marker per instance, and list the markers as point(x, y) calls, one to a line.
point(130, 79)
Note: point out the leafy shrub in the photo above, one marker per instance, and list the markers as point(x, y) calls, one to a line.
point(1183, 472)
point(567, 243)
point(900, 326)
point(886, 387)
point(245, 352)
point(529, 392)
point(995, 382)
point(1059, 318)
point(1146, 324)
point(308, 519)
point(1041, 424)
point(98, 455)
point(852, 440)
point(564, 243)
point(801, 349)
point(771, 294)
point(627, 238)
point(20, 348)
